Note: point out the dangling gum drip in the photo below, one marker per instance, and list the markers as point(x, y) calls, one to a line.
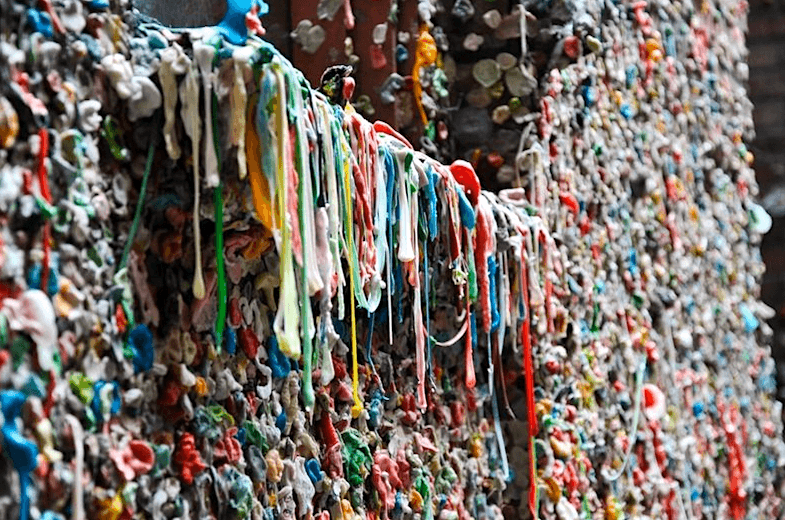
point(334, 203)
point(287, 319)
point(528, 364)
point(166, 75)
point(427, 280)
point(324, 240)
point(425, 55)
point(425, 183)
point(497, 423)
point(468, 353)
point(349, 165)
point(391, 167)
point(545, 239)
point(502, 296)
point(405, 245)
point(311, 281)
point(365, 148)
point(204, 57)
point(536, 298)
point(343, 153)
point(220, 319)
point(484, 246)
point(260, 186)
point(456, 232)
point(292, 200)
point(239, 104)
point(419, 328)
point(463, 281)
point(43, 186)
point(189, 95)
point(380, 227)
point(357, 407)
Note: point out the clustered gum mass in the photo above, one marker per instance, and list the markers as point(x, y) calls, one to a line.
point(225, 296)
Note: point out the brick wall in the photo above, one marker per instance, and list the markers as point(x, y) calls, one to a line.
point(766, 43)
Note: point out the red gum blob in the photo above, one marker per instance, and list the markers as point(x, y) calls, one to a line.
point(404, 469)
point(249, 342)
point(228, 447)
point(383, 128)
point(384, 476)
point(187, 457)
point(463, 172)
point(569, 200)
point(235, 316)
point(572, 46)
point(136, 459)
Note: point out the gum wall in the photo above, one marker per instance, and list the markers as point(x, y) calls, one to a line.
point(227, 294)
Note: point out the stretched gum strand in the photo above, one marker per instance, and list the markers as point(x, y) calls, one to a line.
point(220, 320)
point(482, 254)
point(310, 276)
point(332, 195)
point(390, 165)
point(286, 322)
point(166, 75)
point(204, 57)
point(348, 165)
point(357, 407)
point(419, 328)
point(528, 370)
point(308, 234)
point(468, 353)
point(305, 198)
point(239, 103)
point(365, 147)
point(189, 94)
point(43, 185)
point(260, 187)
point(405, 246)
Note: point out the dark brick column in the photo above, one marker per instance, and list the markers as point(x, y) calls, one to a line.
point(766, 43)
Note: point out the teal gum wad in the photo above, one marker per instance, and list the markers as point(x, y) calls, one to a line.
point(233, 25)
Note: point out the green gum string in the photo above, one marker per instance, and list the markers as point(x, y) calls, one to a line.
point(305, 199)
point(305, 300)
point(336, 201)
point(472, 268)
point(140, 203)
point(220, 320)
